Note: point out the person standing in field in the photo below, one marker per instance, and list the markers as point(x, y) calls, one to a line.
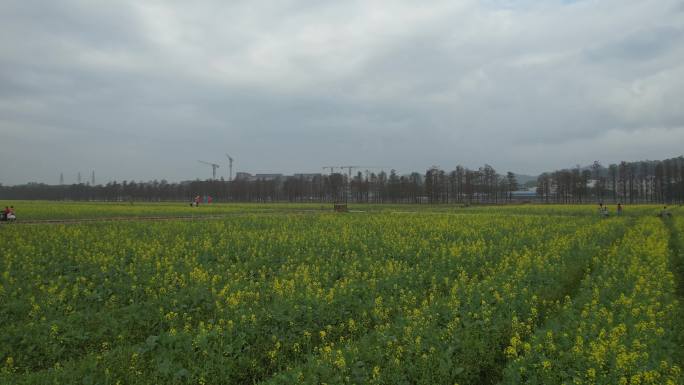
point(603, 210)
point(619, 209)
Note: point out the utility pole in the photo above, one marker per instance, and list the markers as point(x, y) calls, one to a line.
point(78, 178)
point(61, 178)
point(92, 178)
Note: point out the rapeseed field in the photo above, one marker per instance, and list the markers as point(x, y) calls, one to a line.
point(386, 295)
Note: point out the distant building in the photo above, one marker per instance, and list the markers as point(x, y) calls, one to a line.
point(243, 176)
point(267, 177)
point(524, 195)
point(307, 177)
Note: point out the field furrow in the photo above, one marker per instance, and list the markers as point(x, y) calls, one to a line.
point(448, 337)
point(620, 328)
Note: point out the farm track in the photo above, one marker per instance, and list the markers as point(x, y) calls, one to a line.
point(150, 218)
point(222, 216)
point(68, 221)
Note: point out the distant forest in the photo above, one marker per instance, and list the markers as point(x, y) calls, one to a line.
point(627, 182)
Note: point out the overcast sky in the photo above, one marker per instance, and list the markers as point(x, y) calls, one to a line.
point(143, 89)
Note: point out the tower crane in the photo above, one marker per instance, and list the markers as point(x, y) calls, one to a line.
point(230, 166)
point(349, 169)
point(214, 166)
point(332, 168)
point(349, 175)
point(349, 180)
point(342, 206)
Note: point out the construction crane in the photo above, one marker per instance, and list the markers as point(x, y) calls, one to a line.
point(339, 206)
point(349, 169)
point(349, 180)
point(332, 168)
point(349, 175)
point(366, 168)
point(230, 166)
point(214, 166)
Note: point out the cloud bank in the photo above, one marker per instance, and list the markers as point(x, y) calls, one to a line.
point(142, 90)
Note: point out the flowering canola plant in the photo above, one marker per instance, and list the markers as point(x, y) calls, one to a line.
point(620, 327)
point(428, 297)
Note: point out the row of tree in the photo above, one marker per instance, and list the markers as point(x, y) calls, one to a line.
point(626, 182)
point(461, 185)
point(636, 182)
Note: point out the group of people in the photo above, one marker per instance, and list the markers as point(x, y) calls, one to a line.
point(603, 210)
point(197, 200)
point(8, 214)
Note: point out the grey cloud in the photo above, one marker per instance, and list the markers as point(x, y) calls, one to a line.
point(141, 90)
point(101, 24)
point(642, 45)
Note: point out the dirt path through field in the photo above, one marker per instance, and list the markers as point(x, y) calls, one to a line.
point(149, 218)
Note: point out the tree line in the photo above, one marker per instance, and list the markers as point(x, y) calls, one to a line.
point(626, 182)
point(635, 182)
point(461, 185)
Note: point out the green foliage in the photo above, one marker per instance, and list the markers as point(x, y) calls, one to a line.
point(456, 295)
